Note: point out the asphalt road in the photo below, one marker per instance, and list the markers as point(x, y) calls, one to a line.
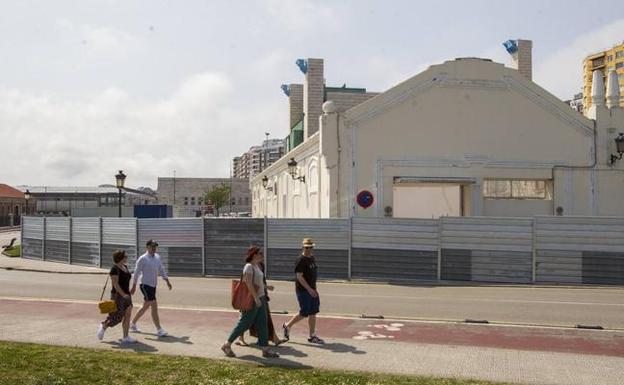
point(554, 306)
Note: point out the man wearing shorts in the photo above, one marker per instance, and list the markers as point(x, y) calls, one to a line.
point(307, 296)
point(148, 267)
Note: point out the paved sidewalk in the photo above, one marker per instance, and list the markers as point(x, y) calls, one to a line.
point(46, 266)
point(509, 354)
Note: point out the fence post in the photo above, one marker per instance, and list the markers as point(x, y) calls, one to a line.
point(69, 246)
point(100, 243)
point(349, 261)
point(43, 240)
point(266, 244)
point(22, 237)
point(534, 252)
point(440, 248)
point(136, 239)
point(203, 255)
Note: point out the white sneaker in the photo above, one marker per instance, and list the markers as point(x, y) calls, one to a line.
point(128, 340)
point(134, 328)
point(100, 332)
point(161, 333)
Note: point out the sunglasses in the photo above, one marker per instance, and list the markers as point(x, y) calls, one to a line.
point(308, 247)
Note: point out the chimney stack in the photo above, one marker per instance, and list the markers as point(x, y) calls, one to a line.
point(313, 94)
point(598, 89)
point(613, 89)
point(295, 101)
point(521, 53)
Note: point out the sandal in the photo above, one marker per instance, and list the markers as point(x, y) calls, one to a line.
point(269, 354)
point(228, 351)
point(316, 340)
point(241, 343)
point(279, 342)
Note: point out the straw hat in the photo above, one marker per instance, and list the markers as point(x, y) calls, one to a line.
point(307, 242)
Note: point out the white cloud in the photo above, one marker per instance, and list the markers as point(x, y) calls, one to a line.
point(562, 72)
point(303, 15)
point(54, 140)
point(100, 40)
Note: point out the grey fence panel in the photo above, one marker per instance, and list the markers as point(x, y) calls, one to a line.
point(330, 234)
point(394, 248)
point(394, 264)
point(85, 236)
point(32, 237)
point(185, 261)
point(32, 248)
point(331, 238)
point(487, 249)
point(118, 233)
point(182, 234)
point(57, 239)
point(227, 240)
point(587, 250)
point(332, 264)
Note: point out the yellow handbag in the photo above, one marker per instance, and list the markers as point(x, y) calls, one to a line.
point(109, 306)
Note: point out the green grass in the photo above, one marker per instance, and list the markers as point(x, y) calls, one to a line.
point(13, 252)
point(31, 364)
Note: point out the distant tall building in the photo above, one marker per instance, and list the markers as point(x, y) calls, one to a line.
point(257, 158)
point(611, 59)
point(576, 102)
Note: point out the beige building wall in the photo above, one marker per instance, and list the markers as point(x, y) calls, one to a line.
point(463, 123)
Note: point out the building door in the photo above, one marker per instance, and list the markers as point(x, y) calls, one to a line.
point(428, 200)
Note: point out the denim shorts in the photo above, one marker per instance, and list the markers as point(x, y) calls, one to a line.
point(308, 305)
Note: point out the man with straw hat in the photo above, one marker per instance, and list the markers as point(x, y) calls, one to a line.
point(307, 296)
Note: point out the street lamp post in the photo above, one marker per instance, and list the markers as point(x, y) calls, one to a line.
point(120, 178)
point(27, 197)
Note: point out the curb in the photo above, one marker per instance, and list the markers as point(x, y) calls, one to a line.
point(52, 271)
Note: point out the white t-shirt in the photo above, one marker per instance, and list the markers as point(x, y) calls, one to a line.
point(258, 277)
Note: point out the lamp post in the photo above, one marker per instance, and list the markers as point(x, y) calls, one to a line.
point(120, 178)
point(265, 182)
point(292, 170)
point(27, 197)
point(619, 147)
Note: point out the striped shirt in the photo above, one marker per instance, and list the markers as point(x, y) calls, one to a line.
point(148, 266)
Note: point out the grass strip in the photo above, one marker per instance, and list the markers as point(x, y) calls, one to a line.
point(35, 364)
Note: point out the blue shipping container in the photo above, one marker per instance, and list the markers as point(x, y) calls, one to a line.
point(153, 211)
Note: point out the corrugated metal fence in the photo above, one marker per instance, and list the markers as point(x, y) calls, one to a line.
point(570, 250)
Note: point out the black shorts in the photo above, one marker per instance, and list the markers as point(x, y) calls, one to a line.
point(149, 292)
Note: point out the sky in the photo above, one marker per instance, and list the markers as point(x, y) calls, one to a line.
point(91, 87)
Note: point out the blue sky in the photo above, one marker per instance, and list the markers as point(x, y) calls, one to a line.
point(89, 87)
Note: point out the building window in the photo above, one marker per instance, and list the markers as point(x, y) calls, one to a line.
point(619, 65)
point(619, 54)
point(598, 62)
point(517, 189)
point(610, 57)
point(185, 201)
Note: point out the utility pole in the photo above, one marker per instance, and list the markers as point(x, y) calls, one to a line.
point(173, 204)
point(266, 148)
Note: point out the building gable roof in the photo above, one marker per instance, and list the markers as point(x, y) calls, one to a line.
point(7, 191)
point(470, 73)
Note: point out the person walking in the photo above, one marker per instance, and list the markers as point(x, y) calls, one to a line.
point(148, 267)
point(253, 278)
point(307, 296)
point(120, 293)
point(270, 326)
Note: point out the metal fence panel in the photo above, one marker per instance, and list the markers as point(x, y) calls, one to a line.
point(185, 261)
point(32, 238)
point(394, 248)
point(118, 233)
point(487, 249)
point(332, 264)
point(32, 248)
point(395, 234)
point(227, 240)
point(57, 239)
point(330, 234)
point(587, 250)
point(33, 227)
point(85, 237)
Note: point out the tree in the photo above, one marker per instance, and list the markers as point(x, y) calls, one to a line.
point(218, 196)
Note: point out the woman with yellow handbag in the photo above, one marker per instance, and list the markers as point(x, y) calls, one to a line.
point(121, 309)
